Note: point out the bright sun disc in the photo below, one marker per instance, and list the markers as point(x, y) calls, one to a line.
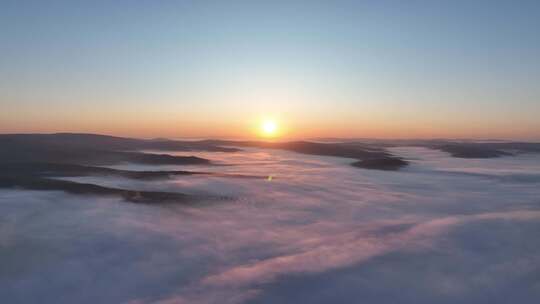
point(269, 127)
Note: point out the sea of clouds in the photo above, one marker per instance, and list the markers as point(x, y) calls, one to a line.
point(308, 229)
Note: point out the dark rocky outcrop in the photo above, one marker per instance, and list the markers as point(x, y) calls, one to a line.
point(31, 183)
point(387, 163)
point(472, 151)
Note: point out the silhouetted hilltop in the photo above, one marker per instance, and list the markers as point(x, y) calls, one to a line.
point(33, 161)
point(487, 150)
point(93, 149)
point(72, 170)
point(106, 142)
point(472, 151)
point(31, 183)
point(348, 150)
point(388, 163)
point(457, 148)
point(51, 170)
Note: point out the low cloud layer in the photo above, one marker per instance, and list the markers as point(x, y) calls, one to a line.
point(442, 230)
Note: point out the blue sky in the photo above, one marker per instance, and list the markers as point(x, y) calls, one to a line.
point(328, 68)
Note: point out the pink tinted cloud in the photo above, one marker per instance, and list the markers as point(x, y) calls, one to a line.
point(332, 253)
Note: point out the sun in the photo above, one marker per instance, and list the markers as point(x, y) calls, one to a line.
point(269, 128)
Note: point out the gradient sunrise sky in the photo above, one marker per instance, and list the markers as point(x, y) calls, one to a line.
point(387, 69)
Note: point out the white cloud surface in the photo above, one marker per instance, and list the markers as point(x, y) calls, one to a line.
point(443, 230)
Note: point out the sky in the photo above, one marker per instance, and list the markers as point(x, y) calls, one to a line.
point(370, 69)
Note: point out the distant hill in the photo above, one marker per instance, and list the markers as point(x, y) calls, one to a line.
point(35, 161)
point(97, 149)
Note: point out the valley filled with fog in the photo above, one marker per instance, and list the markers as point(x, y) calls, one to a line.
point(274, 226)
